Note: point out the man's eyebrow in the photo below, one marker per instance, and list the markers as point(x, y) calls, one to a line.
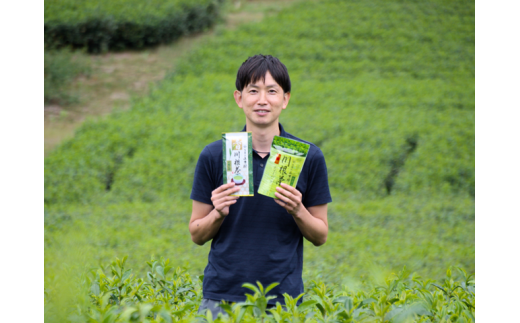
point(256, 86)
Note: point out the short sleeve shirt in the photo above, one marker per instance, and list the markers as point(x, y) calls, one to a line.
point(258, 240)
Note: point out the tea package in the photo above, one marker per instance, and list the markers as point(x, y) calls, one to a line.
point(237, 158)
point(284, 165)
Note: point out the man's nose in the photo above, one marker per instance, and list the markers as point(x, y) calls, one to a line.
point(263, 98)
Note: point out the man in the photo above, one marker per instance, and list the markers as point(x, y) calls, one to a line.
point(257, 238)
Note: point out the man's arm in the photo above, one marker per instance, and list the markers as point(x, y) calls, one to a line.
point(312, 221)
point(206, 218)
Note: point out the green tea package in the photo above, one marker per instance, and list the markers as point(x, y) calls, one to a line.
point(284, 165)
point(237, 161)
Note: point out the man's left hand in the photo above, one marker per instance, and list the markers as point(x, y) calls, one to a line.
point(289, 198)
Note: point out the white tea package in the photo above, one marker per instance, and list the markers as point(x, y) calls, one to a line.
point(237, 159)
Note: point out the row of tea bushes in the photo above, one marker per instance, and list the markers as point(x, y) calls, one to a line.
point(345, 40)
point(172, 295)
point(119, 24)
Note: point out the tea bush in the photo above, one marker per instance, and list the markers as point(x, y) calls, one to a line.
point(120, 24)
point(170, 295)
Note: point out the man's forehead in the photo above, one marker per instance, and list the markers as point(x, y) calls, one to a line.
point(267, 81)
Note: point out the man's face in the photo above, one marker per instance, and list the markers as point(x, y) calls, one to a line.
point(262, 102)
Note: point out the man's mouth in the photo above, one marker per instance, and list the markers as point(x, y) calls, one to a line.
point(261, 111)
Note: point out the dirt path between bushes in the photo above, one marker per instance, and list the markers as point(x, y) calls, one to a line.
point(117, 77)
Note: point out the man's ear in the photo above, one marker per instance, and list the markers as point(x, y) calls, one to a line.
point(286, 97)
point(238, 98)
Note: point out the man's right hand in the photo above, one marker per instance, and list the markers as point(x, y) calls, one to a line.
point(222, 200)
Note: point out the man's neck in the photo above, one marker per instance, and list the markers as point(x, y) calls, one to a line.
point(263, 136)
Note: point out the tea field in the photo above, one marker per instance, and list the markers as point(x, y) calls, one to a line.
point(385, 89)
point(98, 26)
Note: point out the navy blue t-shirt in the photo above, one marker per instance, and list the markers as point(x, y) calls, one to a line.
point(258, 240)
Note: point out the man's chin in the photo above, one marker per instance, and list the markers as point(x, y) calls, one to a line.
point(263, 123)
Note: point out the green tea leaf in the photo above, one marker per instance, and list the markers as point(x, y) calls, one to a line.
point(306, 305)
point(268, 288)
point(251, 287)
point(160, 271)
point(94, 289)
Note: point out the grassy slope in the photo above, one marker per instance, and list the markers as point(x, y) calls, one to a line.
point(366, 76)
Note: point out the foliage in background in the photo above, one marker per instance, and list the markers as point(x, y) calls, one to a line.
point(170, 295)
point(364, 92)
point(122, 24)
point(61, 67)
point(365, 237)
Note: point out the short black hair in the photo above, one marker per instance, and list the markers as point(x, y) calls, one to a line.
point(256, 67)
